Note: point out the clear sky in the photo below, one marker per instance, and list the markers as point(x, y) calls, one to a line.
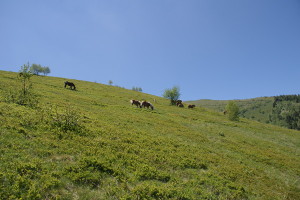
point(211, 49)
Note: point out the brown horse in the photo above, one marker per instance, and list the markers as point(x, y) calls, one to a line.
point(135, 102)
point(147, 105)
point(72, 85)
point(191, 106)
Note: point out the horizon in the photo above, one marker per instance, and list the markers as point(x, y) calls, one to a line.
point(212, 50)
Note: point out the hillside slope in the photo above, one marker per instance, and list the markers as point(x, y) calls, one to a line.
point(257, 109)
point(92, 144)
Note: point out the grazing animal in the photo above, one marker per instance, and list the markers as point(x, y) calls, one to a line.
point(191, 106)
point(147, 105)
point(72, 85)
point(135, 102)
point(180, 105)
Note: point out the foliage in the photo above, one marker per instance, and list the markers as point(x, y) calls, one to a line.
point(21, 92)
point(37, 69)
point(232, 110)
point(172, 94)
point(120, 152)
point(67, 120)
point(138, 89)
point(286, 111)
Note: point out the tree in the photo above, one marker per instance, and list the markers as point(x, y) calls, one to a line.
point(232, 110)
point(173, 94)
point(25, 95)
point(110, 82)
point(36, 69)
point(46, 70)
point(138, 89)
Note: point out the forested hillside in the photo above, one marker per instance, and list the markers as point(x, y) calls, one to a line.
point(91, 143)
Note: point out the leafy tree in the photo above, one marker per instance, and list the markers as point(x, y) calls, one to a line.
point(173, 94)
point(36, 69)
point(110, 82)
point(46, 70)
point(232, 110)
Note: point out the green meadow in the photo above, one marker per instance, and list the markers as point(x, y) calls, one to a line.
point(91, 143)
point(258, 109)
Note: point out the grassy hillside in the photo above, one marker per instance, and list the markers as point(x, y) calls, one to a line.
point(257, 109)
point(92, 144)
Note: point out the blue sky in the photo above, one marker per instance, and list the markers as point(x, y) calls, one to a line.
point(211, 49)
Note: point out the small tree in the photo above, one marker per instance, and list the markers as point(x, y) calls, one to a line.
point(173, 94)
point(36, 69)
point(46, 70)
point(26, 96)
point(232, 111)
point(110, 82)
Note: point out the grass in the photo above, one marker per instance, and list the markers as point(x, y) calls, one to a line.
point(113, 150)
point(257, 109)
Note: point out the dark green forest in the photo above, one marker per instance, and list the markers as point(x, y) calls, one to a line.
point(286, 111)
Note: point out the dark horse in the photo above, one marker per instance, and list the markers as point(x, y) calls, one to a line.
point(72, 85)
point(191, 106)
point(147, 104)
point(136, 102)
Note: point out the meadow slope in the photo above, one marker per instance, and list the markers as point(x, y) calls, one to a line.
point(92, 144)
point(258, 109)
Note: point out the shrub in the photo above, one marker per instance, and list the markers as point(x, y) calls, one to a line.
point(68, 120)
point(232, 111)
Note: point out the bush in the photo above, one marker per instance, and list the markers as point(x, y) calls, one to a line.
point(232, 111)
point(68, 120)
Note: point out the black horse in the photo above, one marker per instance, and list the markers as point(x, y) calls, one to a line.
point(72, 85)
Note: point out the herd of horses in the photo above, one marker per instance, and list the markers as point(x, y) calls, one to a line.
point(140, 104)
point(145, 104)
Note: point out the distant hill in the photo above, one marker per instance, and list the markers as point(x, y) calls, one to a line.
point(257, 109)
point(283, 110)
point(91, 143)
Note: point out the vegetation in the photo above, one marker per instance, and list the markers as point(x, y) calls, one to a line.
point(256, 109)
point(138, 89)
point(232, 110)
point(20, 91)
point(172, 94)
point(286, 111)
point(92, 144)
point(283, 110)
point(37, 69)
